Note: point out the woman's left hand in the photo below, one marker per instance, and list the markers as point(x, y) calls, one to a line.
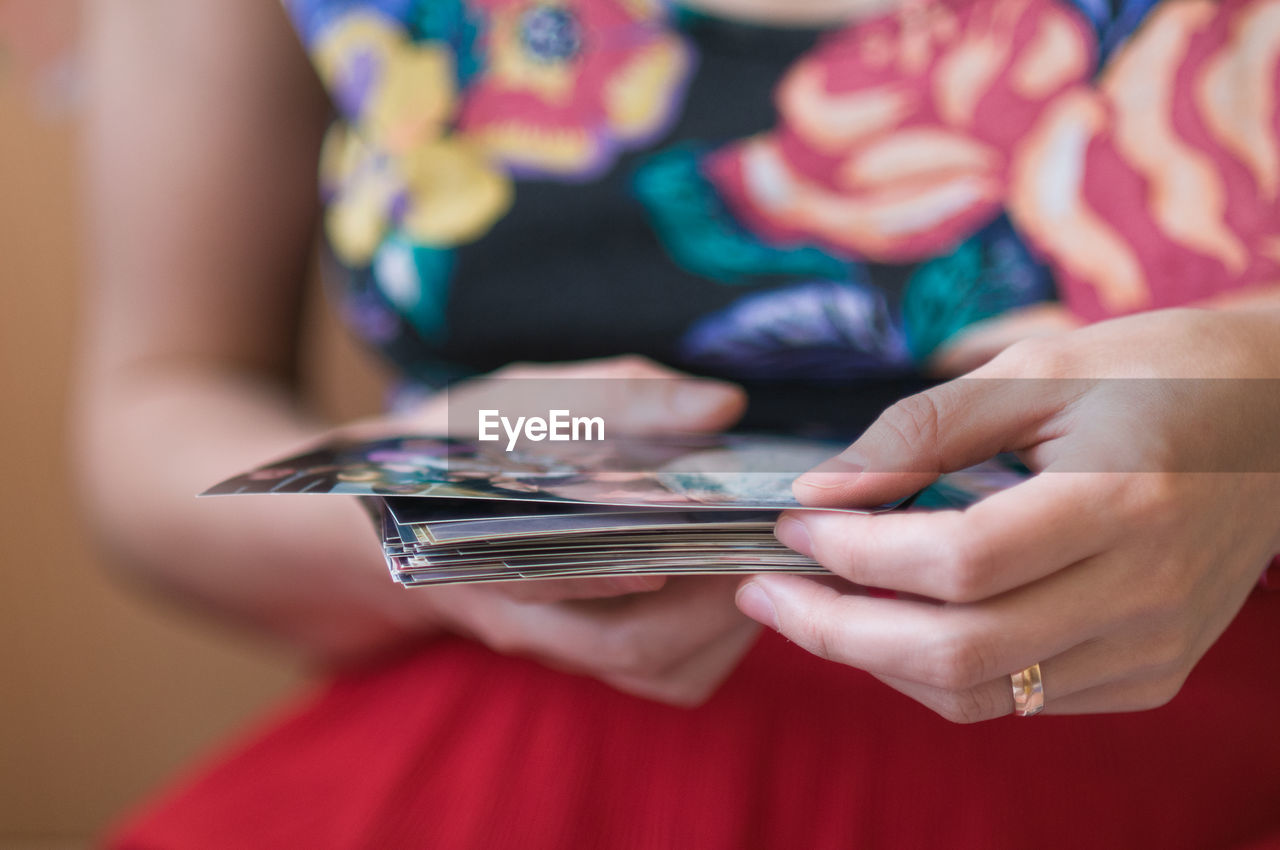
point(1157, 440)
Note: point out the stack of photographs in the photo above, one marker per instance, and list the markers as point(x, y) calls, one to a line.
point(424, 546)
point(453, 511)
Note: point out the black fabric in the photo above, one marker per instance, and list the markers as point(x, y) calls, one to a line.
point(575, 270)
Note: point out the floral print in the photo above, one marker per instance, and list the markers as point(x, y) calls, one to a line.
point(941, 165)
point(440, 193)
point(701, 234)
point(820, 330)
point(989, 274)
point(393, 165)
point(570, 82)
point(895, 135)
point(1159, 186)
point(444, 101)
point(1154, 186)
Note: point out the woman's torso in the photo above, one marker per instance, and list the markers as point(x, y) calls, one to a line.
point(766, 203)
point(560, 179)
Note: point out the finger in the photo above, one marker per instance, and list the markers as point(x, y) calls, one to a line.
point(1133, 694)
point(967, 705)
point(1079, 680)
point(980, 342)
point(995, 698)
point(694, 679)
point(946, 428)
point(633, 395)
point(675, 403)
point(643, 396)
point(1130, 670)
point(561, 590)
point(1009, 539)
point(952, 647)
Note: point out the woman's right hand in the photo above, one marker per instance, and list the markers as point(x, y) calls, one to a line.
point(635, 396)
point(670, 640)
point(180, 385)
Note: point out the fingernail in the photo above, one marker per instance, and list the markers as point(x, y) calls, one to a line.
point(793, 534)
point(755, 603)
point(836, 472)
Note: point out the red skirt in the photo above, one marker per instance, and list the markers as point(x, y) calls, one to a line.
point(457, 747)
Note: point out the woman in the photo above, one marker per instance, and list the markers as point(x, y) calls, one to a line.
point(942, 188)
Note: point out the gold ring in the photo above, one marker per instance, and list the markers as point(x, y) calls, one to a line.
point(1028, 691)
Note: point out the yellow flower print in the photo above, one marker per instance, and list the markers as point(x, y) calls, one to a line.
point(392, 163)
point(454, 195)
point(396, 92)
point(442, 193)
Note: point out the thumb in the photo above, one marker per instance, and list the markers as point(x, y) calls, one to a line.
point(949, 427)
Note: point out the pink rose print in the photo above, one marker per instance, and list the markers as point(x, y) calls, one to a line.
point(896, 133)
point(1157, 186)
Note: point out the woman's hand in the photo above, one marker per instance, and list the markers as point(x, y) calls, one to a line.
point(216, 102)
point(633, 394)
point(1156, 508)
point(672, 641)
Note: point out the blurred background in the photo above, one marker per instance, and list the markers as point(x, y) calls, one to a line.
point(103, 693)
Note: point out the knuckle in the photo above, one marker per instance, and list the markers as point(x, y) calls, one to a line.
point(913, 421)
point(1034, 357)
point(1161, 691)
point(813, 622)
point(1170, 652)
point(1156, 494)
point(1172, 684)
point(965, 568)
point(965, 707)
point(624, 651)
point(813, 635)
point(1167, 595)
point(958, 663)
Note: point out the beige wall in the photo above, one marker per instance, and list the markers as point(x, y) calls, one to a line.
point(102, 694)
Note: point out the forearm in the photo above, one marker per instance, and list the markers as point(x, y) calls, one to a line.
point(201, 140)
point(305, 570)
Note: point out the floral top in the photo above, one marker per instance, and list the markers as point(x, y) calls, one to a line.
point(558, 179)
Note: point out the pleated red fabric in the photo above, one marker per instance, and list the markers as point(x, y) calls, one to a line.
point(454, 746)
